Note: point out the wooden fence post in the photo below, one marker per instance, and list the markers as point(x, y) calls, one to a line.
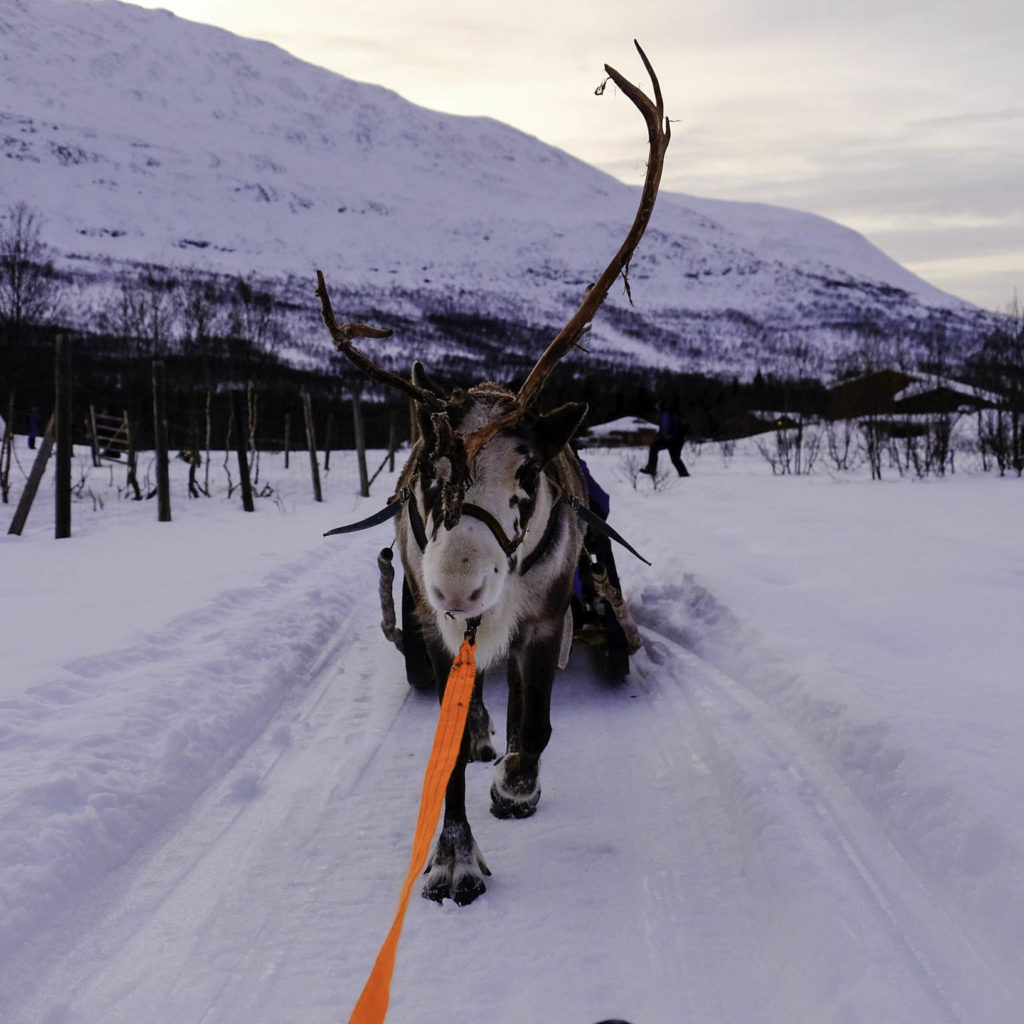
point(328, 441)
point(132, 477)
point(287, 438)
point(163, 473)
point(307, 406)
point(93, 439)
point(32, 484)
point(392, 440)
point(7, 451)
point(62, 385)
point(357, 423)
point(239, 413)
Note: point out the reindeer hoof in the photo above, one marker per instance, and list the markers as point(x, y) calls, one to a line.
point(457, 867)
point(515, 791)
point(461, 890)
point(503, 807)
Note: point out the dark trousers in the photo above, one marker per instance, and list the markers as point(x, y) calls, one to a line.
point(674, 445)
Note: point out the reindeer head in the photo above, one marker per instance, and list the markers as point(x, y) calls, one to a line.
point(474, 516)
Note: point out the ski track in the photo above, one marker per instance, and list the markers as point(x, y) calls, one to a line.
point(831, 878)
point(249, 896)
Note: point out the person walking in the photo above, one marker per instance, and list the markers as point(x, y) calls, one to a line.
point(672, 431)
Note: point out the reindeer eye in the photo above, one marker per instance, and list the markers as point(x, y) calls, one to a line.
point(527, 477)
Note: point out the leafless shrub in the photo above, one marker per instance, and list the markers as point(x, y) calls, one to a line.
point(843, 451)
point(793, 448)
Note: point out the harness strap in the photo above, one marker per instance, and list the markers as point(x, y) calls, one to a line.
point(507, 544)
point(404, 497)
point(546, 541)
point(386, 513)
point(595, 522)
point(419, 531)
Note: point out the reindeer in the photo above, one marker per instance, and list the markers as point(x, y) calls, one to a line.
point(488, 538)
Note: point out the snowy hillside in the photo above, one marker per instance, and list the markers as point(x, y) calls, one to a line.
point(146, 139)
point(801, 807)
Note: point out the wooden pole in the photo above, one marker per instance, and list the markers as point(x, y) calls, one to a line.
point(94, 439)
point(357, 422)
point(239, 411)
point(163, 473)
point(62, 384)
point(307, 406)
point(7, 451)
point(208, 438)
point(287, 438)
point(133, 462)
point(392, 440)
point(35, 476)
point(328, 441)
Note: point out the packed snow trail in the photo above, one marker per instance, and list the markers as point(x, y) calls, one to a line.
point(222, 808)
point(708, 866)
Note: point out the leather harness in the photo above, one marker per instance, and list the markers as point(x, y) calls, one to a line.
point(508, 545)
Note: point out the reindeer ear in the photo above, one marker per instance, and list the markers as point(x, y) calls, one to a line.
point(553, 431)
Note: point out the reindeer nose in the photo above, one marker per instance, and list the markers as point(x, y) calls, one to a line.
point(452, 597)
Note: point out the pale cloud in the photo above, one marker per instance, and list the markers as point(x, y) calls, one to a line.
point(901, 119)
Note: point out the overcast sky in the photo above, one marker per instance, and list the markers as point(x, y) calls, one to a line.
point(903, 120)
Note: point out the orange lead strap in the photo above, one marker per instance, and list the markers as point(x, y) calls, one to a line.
point(373, 1003)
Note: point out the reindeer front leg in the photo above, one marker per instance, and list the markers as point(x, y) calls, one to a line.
point(515, 791)
point(456, 868)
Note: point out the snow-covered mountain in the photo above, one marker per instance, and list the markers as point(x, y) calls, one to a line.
point(146, 139)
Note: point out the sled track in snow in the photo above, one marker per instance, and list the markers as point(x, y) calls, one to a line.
point(692, 849)
point(287, 639)
point(811, 841)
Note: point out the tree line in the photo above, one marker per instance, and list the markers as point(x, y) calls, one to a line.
point(220, 334)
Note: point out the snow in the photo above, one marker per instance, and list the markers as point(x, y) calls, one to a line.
point(933, 383)
point(805, 239)
point(802, 806)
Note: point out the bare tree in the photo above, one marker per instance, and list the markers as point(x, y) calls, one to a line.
point(874, 354)
point(27, 283)
point(840, 445)
point(998, 366)
point(255, 317)
point(794, 445)
point(141, 315)
point(28, 298)
point(202, 319)
point(935, 454)
point(200, 315)
point(255, 322)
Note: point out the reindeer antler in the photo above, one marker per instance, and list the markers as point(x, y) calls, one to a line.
point(659, 132)
point(343, 335)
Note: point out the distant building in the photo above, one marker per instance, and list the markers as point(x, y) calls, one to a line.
point(897, 392)
point(626, 431)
